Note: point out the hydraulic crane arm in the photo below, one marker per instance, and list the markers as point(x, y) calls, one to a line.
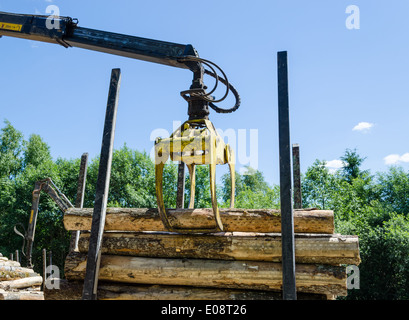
point(48, 186)
point(68, 34)
point(65, 31)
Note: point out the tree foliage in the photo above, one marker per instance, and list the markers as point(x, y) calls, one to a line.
point(251, 191)
point(374, 207)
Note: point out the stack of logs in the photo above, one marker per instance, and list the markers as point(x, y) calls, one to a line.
point(18, 283)
point(140, 260)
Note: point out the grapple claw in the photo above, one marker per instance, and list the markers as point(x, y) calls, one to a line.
point(196, 142)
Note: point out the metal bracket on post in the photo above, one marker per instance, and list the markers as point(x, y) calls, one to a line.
point(102, 188)
point(287, 222)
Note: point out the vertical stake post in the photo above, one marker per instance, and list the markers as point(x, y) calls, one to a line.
point(44, 267)
point(79, 201)
point(102, 188)
point(287, 222)
point(180, 197)
point(50, 258)
point(297, 177)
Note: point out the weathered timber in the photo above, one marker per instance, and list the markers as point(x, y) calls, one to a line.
point(71, 290)
point(9, 263)
point(21, 295)
point(15, 272)
point(309, 248)
point(16, 268)
point(240, 220)
point(157, 292)
point(254, 275)
point(21, 283)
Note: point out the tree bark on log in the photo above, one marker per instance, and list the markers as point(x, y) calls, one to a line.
point(240, 220)
point(72, 290)
point(309, 248)
point(157, 292)
point(13, 272)
point(264, 276)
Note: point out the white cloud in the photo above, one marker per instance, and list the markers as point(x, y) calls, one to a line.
point(405, 157)
point(363, 126)
point(334, 165)
point(395, 158)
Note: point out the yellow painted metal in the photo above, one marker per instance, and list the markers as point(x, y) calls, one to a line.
point(195, 142)
point(10, 26)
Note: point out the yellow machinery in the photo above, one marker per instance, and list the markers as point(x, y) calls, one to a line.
point(196, 142)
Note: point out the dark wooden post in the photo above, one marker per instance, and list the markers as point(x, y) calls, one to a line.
point(44, 268)
point(50, 258)
point(82, 177)
point(297, 177)
point(287, 222)
point(180, 197)
point(102, 188)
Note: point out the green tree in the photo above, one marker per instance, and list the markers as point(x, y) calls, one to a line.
point(375, 209)
point(36, 152)
point(132, 179)
point(251, 191)
point(318, 186)
point(352, 165)
point(203, 197)
point(32, 162)
point(10, 151)
point(384, 251)
point(393, 189)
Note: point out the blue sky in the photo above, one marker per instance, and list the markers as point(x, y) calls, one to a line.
point(340, 79)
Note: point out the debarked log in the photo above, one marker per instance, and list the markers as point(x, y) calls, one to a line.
point(21, 283)
point(72, 290)
point(9, 263)
point(22, 295)
point(160, 292)
point(248, 275)
point(309, 248)
point(239, 220)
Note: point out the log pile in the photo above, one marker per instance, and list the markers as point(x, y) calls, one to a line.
point(140, 260)
point(18, 283)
